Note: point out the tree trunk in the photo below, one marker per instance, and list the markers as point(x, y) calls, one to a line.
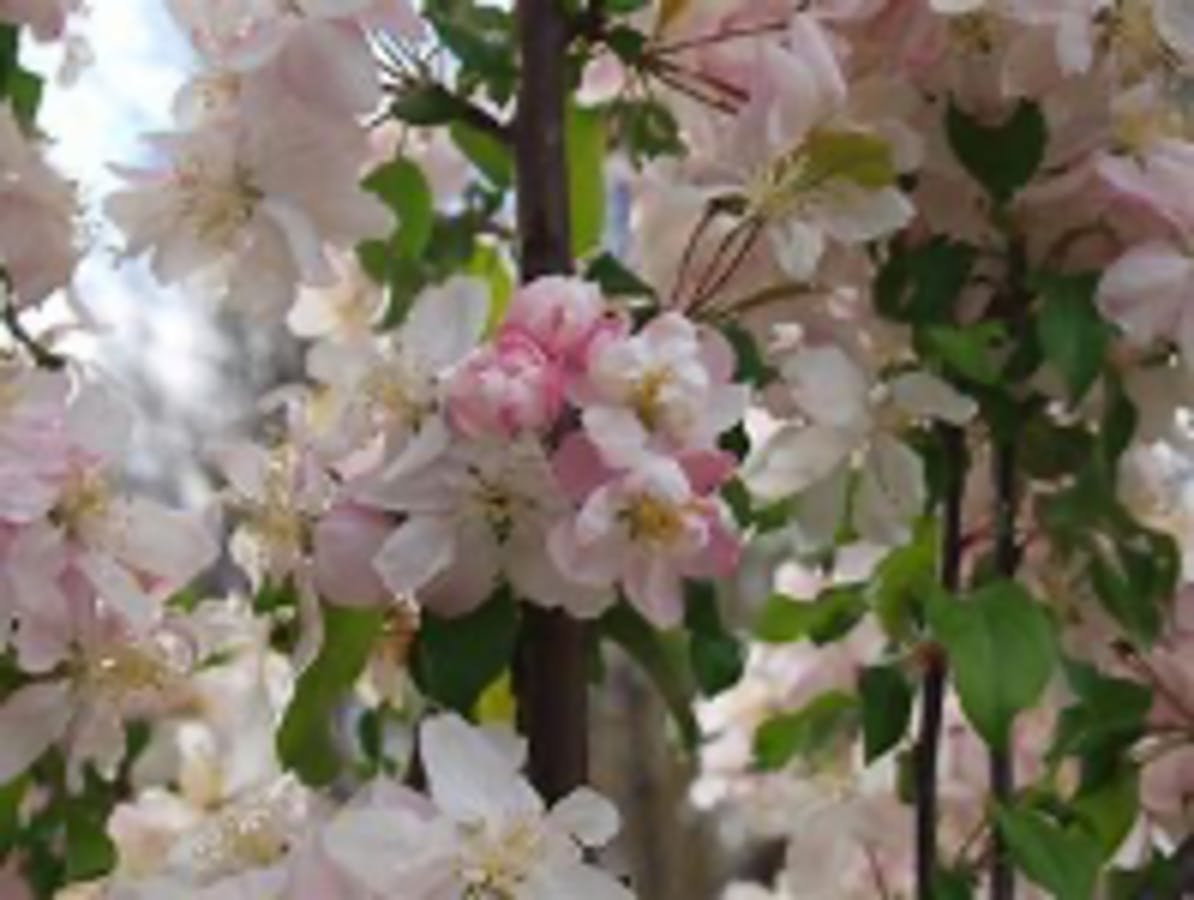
point(550, 671)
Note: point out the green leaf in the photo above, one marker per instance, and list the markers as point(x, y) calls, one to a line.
point(902, 582)
point(615, 280)
point(11, 797)
point(626, 627)
point(954, 884)
point(922, 284)
point(1002, 158)
point(489, 265)
point(970, 351)
point(1063, 861)
point(1002, 648)
point(305, 740)
point(424, 104)
point(1109, 811)
point(455, 660)
point(1107, 717)
point(491, 156)
point(90, 853)
point(1072, 334)
point(717, 656)
point(832, 615)
point(401, 185)
point(585, 133)
point(886, 708)
point(806, 733)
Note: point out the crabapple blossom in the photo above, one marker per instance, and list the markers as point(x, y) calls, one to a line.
point(482, 831)
point(255, 205)
point(666, 389)
point(37, 211)
point(318, 51)
point(505, 388)
point(646, 529)
point(851, 422)
point(563, 316)
point(473, 513)
point(386, 388)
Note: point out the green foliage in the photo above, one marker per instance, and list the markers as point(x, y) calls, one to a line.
point(886, 708)
point(1133, 569)
point(968, 353)
point(1107, 717)
point(1063, 860)
point(480, 38)
point(1072, 335)
point(1002, 649)
point(921, 284)
point(615, 280)
point(716, 655)
point(833, 614)
point(490, 155)
point(19, 87)
point(808, 733)
point(305, 741)
point(585, 138)
point(455, 660)
point(401, 185)
point(1004, 157)
point(902, 583)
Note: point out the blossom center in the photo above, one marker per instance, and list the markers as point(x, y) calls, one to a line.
point(217, 208)
point(652, 519)
point(646, 397)
point(495, 863)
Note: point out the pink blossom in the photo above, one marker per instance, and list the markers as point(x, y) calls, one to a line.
point(562, 315)
point(315, 50)
point(504, 388)
point(47, 18)
point(647, 530)
point(37, 209)
point(667, 389)
point(255, 203)
point(346, 539)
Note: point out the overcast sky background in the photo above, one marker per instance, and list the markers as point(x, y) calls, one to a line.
point(162, 347)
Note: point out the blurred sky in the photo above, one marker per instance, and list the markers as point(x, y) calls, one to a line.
point(166, 349)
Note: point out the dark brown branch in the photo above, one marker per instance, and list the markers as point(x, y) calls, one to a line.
point(550, 669)
point(1007, 559)
point(936, 672)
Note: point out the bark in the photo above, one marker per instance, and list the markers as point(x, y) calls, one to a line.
point(550, 669)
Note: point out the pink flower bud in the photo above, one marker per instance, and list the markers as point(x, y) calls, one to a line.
point(561, 315)
point(504, 388)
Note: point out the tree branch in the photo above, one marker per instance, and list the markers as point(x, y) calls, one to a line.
point(936, 669)
point(1002, 768)
point(550, 669)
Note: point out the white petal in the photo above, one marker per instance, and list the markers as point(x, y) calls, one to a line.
point(574, 882)
point(470, 779)
point(587, 816)
point(446, 322)
point(891, 492)
point(830, 387)
point(795, 458)
point(926, 396)
point(857, 215)
point(419, 550)
point(31, 720)
point(394, 852)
